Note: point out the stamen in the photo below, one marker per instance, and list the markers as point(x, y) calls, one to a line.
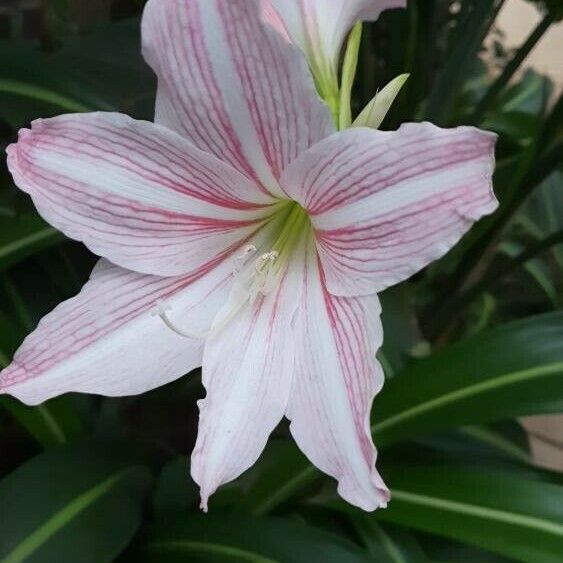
point(161, 311)
point(264, 276)
point(251, 280)
point(265, 259)
point(241, 260)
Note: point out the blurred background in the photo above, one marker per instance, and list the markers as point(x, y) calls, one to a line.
point(468, 428)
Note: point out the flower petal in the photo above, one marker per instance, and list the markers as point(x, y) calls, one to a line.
point(386, 204)
point(336, 378)
point(247, 370)
point(232, 85)
point(134, 192)
point(108, 341)
point(319, 27)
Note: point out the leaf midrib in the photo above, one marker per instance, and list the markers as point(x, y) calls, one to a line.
point(45, 233)
point(451, 397)
point(198, 546)
point(40, 93)
point(60, 518)
point(51, 423)
point(483, 512)
point(466, 392)
point(389, 546)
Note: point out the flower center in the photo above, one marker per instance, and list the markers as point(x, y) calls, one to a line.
point(260, 277)
point(269, 266)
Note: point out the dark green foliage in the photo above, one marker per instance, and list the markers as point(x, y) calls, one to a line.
point(471, 344)
point(73, 504)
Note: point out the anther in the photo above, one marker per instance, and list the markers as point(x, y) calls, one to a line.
point(265, 259)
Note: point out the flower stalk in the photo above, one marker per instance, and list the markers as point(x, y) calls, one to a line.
point(349, 69)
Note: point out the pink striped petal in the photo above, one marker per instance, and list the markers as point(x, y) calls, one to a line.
point(108, 341)
point(232, 85)
point(319, 27)
point(336, 378)
point(134, 192)
point(247, 370)
point(386, 204)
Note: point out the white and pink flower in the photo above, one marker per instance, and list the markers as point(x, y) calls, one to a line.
point(258, 233)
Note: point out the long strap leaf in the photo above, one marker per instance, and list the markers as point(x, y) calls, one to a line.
point(60, 519)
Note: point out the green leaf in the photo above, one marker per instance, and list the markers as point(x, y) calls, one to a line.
point(253, 540)
point(100, 70)
point(42, 94)
point(510, 371)
point(22, 236)
point(283, 470)
point(11, 338)
point(402, 334)
point(52, 423)
point(445, 550)
point(375, 111)
point(498, 374)
point(513, 65)
point(75, 504)
point(472, 30)
point(528, 94)
point(517, 126)
point(542, 214)
point(516, 517)
point(175, 491)
point(505, 441)
point(536, 268)
point(34, 84)
point(388, 544)
point(110, 55)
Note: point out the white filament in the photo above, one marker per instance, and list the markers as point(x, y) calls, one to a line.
point(161, 311)
point(261, 282)
point(241, 260)
point(264, 275)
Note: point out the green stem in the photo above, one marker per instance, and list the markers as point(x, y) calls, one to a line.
point(349, 69)
point(495, 275)
point(512, 66)
point(528, 178)
point(472, 30)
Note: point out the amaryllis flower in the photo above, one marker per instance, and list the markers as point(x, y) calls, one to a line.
point(240, 232)
point(319, 28)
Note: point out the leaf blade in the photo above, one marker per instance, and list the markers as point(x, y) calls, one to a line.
point(506, 372)
point(71, 504)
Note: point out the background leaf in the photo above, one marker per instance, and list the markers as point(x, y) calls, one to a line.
point(71, 505)
point(516, 517)
point(256, 540)
point(509, 371)
point(53, 423)
point(454, 358)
